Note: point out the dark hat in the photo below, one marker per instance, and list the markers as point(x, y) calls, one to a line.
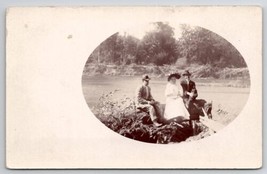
point(145, 77)
point(186, 73)
point(176, 75)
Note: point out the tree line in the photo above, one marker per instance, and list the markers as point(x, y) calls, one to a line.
point(159, 47)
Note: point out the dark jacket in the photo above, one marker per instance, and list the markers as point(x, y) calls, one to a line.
point(189, 87)
point(142, 95)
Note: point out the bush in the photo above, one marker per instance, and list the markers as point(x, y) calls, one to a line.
point(198, 71)
point(121, 117)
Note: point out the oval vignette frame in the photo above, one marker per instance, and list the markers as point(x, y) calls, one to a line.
point(115, 68)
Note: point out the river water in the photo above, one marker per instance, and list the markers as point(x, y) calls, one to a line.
point(229, 98)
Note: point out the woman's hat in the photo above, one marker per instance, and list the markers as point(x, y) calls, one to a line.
point(186, 73)
point(145, 77)
point(176, 75)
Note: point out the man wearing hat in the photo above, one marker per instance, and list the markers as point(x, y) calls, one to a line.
point(189, 89)
point(145, 100)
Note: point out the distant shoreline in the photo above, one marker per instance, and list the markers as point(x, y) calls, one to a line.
point(232, 77)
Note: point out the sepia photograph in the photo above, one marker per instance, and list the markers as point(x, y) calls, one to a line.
point(166, 82)
point(165, 87)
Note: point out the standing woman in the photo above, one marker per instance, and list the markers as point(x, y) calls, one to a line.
point(175, 108)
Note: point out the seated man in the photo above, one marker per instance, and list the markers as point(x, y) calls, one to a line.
point(189, 91)
point(145, 100)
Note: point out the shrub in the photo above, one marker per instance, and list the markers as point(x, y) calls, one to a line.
point(120, 116)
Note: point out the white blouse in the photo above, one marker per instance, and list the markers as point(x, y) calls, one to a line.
point(173, 91)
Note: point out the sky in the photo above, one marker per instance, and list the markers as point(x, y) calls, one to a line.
point(140, 31)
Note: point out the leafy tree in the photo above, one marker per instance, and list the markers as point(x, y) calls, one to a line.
point(159, 46)
point(116, 49)
point(202, 46)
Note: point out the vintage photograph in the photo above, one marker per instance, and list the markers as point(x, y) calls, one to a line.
point(166, 82)
point(134, 87)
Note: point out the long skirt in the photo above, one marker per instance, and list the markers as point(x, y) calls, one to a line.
point(175, 108)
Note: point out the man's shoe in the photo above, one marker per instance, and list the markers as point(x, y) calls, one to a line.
point(178, 125)
point(156, 123)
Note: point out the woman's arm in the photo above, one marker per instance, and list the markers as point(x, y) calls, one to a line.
point(169, 92)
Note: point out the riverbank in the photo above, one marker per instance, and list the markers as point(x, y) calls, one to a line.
point(232, 77)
